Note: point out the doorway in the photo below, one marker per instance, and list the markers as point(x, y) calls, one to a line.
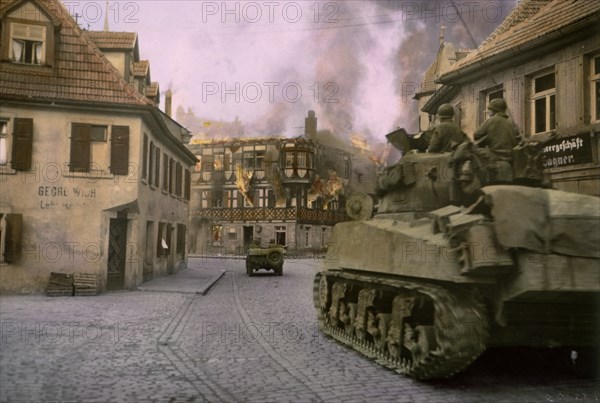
point(117, 253)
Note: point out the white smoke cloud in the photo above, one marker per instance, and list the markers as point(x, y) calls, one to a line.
point(268, 65)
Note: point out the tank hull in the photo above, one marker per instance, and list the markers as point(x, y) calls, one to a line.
point(425, 296)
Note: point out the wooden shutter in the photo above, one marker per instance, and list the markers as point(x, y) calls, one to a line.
point(168, 240)
point(80, 147)
point(188, 184)
point(119, 150)
point(165, 172)
point(22, 144)
point(181, 230)
point(145, 158)
point(14, 231)
point(178, 179)
point(157, 155)
point(171, 177)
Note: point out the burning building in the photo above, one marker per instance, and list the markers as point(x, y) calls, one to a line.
point(291, 190)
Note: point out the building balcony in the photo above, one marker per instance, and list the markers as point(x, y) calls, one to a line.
point(266, 214)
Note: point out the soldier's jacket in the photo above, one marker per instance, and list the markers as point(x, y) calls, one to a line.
point(446, 134)
point(497, 134)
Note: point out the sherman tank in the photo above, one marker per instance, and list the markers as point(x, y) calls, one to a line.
point(454, 262)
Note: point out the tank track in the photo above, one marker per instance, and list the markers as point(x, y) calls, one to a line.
point(418, 329)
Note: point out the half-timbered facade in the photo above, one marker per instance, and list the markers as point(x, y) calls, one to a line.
point(290, 190)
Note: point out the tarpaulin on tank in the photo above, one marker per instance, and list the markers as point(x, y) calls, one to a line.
point(545, 221)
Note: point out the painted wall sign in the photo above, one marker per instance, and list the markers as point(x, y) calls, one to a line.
point(568, 151)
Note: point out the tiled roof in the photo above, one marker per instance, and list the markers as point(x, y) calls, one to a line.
point(140, 69)
point(80, 71)
point(523, 11)
point(113, 40)
point(152, 90)
point(530, 20)
point(428, 84)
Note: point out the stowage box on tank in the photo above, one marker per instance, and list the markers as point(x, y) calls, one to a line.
point(425, 286)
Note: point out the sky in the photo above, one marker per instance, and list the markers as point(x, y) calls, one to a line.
point(356, 63)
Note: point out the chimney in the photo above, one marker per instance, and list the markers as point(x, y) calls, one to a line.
point(310, 126)
point(168, 101)
point(106, 18)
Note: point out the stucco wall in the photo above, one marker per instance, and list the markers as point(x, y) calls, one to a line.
point(66, 215)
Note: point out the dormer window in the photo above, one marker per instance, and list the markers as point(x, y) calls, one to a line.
point(28, 34)
point(27, 43)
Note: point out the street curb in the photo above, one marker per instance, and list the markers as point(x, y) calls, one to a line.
point(210, 283)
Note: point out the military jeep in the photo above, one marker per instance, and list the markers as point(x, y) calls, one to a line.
point(266, 258)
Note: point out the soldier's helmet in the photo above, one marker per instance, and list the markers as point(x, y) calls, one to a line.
point(497, 105)
point(446, 111)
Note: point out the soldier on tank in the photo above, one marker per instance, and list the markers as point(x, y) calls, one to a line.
point(498, 136)
point(446, 134)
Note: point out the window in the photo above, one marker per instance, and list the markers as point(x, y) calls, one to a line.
point(301, 159)
point(22, 146)
point(151, 160)
point(181, 233)
point(198, 166)
point(307, 238)
point(119, 148)
point(145, 157)
point(280, 235)
point(11, 228)
point(484, 100)
point(98, 146)
point(232, 234)
point(218, 162)
point(289, 159)
point(262, 197)
point(188, 184)
point(27, 43)
point(206, 199)
point(98, 133)
point(254, 160)
point(595, 77)
point(3, 142)
point(543, 103)
point(178, 179)
point(157, 155)
point(163, 240)
point(149, 239)
point(168, 239)
point(171, 175)
point(166, 172)
point(88, 148)
point(230, 198)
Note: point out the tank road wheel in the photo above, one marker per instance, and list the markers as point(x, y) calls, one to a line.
point(418, 329)
point(366, 298)
point(349, 328)
point(377, 326)
point(321, 296)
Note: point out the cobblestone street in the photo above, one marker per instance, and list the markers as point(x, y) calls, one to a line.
point(246, 339)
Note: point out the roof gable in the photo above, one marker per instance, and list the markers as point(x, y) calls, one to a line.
point(114, 40)
point(530, 21)
point(80, 72)
point(28, 10)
